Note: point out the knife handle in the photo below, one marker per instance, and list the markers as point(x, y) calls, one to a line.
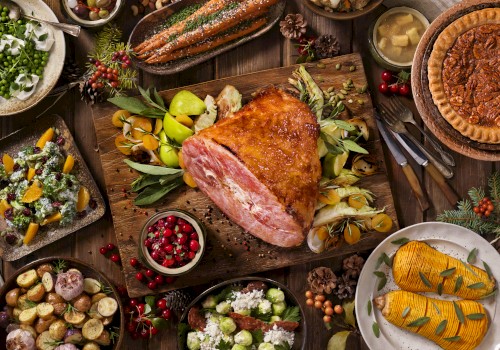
point(416, 187)
point(448, 192)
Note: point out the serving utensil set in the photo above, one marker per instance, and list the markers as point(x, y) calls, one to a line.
point(394, 114)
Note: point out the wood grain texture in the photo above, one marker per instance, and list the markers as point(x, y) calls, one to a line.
point(269, 51)
point(230, 252)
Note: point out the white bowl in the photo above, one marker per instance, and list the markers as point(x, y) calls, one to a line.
point(89, 23)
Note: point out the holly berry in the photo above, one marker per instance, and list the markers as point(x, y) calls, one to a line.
point(404, 90)
point(383, 88)
point(115, 258)
point(394, 88)
point(103, 250)
point(386, 76)
point(139, 276)
point(166, 314)
point(141, 308)
point(134, 262)
point(150, 273)
point(152, 285)
point(161, 304)
point(159, 280)
point(110, 246)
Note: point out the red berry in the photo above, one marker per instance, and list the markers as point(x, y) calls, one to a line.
point(94, 86)
point(159, 280)
point(386, 76)
point(150, 273)
point(144, 333)
point(383, 88)
point(103, 250)
point(170, 279)
point(153, 330)
point(490, 207)
point(194, 235)
point(115, 258)
point(134, 262)
point(302, 50)
point(171, 219)
point(161, 304)
point(110, 246)
point(139, 276)
point(169, 248)
point(191, 255)
point(187, 228)
point(124, 66)
point(134, 301)
point(131, 327)
point(141, 308)
point(487, 213)
point(182, 239)
point(404, 90)
point(100, 85)
point(194, 245)
point(476, 210)
point(166, 314)
point(152, 285)
point(394, 88)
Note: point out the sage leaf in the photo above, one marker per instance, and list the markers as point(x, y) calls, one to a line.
point(382, 283)
point(453, 339)
point(448, 272)
point(458, 311)
point(469, 268)
point(131, 104)
point(477, 285)
point(419, 322)
point(471, 258)
point(487, 269)
point(349, 318)
point(369, 307)
point(458, 283)
point(344, 125)
point(338, 341)
point(400, 241)
point(437, 308)
point(143, 181)
point(376, 329)
point(477, 316)
point(384, 258)
point(489, 294)
point(353, 146)
point(379, 274)
point(425, 280)
point(440, 288)
point(152, 113)
point(158, 99)
point(441, 327)
point(406, 311)
point(152, 169)
point(156, 192)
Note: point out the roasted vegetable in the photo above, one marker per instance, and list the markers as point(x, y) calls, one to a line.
point(20, 339)
point(69, 284)
point(459, 324)
point(418, 267)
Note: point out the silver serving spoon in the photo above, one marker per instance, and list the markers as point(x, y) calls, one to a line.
point(15, 12)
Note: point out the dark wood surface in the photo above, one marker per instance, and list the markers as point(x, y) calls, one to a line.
point(225, 248)
point(269, 51)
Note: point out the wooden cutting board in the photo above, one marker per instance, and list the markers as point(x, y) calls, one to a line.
point(231, 252)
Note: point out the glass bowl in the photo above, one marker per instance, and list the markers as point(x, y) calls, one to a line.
point(373, 38)
point(97, 23)
point(145, 234)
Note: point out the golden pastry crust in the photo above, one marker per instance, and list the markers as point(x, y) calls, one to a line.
point(455, 70)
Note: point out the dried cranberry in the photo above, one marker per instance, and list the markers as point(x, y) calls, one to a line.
point(38, 171)
point(81, 214)
point(56, 204)
point(11, 197)
point(27, 212)
point(92, 204)
point(9, 214)
point(69, 183)
point(37, 150)
point(16, 167)
point(58, 176)
point(44, 160)
point(60, 141)
point(11, 238)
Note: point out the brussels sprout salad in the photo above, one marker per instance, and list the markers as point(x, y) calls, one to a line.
point(38, 188)
point(255, 317)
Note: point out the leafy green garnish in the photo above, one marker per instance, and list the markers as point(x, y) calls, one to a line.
point(477, 316)
point(257, 336)
point(406, 311)
point(458, 283)
point(419, 322)
point(471, 258)
point(369, 307)
point(152, 169)
point(458, 311)
point(441, 327)
point(376, 329)
point(477, 285)
point(292, 314)
point(448, 272)
point(182, 331)
point(425, 280)
point(400, 241)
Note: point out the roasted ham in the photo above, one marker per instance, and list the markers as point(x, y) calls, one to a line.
point(261, 166)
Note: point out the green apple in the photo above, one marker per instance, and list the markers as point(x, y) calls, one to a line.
point(185, 102)
point(334, 163)
point(168, 154)
point(175, 130)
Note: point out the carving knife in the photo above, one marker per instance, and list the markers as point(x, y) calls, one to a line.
point(421, 159)
point(403, 162)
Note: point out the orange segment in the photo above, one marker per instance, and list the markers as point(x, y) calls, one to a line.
point(330, 197)
point(52, 218)
point(382, 222)
point(119, 117)
point(181, 160)
point(185, 120)
point(8, 163)
point(352, 234)
point(123, 145)
point(68, 164)
point(140, 127)
point(158, 126)
point(30, 232)
point(150, 142)
point(31, 174)
point(47, 136)
point(33, 193)
point(322, 233)
point(357, 201)
point(188, 179)
point(4, 205)
point(83, 199)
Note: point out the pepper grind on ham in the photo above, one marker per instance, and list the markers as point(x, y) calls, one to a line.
point(261, 166)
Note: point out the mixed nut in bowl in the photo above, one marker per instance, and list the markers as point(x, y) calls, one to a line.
point(92, 13)
point(342, 9)
point(394, 35)
point(243, 313)
point(172, 242)
point(60, 303)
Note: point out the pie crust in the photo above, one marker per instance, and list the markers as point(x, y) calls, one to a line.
point(464, 75)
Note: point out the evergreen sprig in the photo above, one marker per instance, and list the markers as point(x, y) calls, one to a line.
point(465, 216)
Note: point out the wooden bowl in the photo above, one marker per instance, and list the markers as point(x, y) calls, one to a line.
point(372, 5)
point(290, 298)
point(87, 271)
point(422, 95)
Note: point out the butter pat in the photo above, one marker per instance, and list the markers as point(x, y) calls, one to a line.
point(400, 40)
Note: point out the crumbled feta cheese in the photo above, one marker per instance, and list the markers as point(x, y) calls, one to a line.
point(278, 335)
point(247, 301)
point(212, 335)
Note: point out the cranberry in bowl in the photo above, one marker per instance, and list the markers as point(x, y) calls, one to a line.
point(172, 242)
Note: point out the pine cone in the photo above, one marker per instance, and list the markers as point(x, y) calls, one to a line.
point(177, 301)
point(293, 26)
point(346, 287)
point(322, 280)
point(71, 71)
point(353, 265)
point(90, 95)
point(326, 46)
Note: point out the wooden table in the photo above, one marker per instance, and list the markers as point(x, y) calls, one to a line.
point(269, 51)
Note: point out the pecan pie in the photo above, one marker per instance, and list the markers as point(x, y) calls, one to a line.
point(464, 75)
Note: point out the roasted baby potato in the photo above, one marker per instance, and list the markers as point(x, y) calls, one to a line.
point(42, 269)
point(27, 279)
point(12, 296)
point(42, 325)
point(28, 316)
point(91, 286)
point(92, 329)
point(36, 293)
point(58, 329)
point(82, 302)
point(45, 311)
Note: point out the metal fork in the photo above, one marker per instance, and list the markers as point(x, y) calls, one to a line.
point(405, 115)
point(398, 126)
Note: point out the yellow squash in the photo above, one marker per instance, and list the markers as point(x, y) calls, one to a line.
point(459, 325)
point(418, 267)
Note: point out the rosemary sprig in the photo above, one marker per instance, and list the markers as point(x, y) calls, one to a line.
point(60, 265)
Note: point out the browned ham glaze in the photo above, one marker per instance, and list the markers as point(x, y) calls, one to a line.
point(250, 323)
point(261, 166)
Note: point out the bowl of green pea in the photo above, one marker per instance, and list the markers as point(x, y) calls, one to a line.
point(31, 57)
